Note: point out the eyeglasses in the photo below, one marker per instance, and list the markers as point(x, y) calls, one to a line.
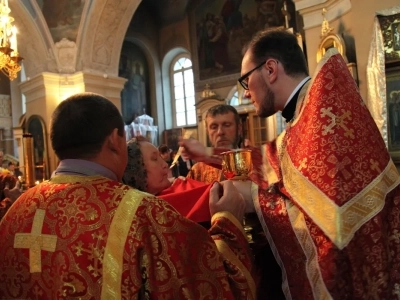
point(243, 80)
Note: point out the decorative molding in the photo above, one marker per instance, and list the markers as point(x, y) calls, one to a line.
point(66, 52)
point(104, 30)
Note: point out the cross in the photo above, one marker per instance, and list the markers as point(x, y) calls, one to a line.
point(375, 165)
point(36, 241)
point(339, 167)
point(337, 120)
point(303, 163)
point(95, 255)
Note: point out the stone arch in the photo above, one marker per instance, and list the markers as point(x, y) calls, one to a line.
point(34, 41)
point(103, 33)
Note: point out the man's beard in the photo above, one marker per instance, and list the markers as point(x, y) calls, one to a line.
point(234, 144)
point(267, 107)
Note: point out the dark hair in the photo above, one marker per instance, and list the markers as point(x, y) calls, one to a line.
point(135, 174)
point(11, 163)
point(281, 45)
point(163, 149)
point(80, 125)
point(221, 109)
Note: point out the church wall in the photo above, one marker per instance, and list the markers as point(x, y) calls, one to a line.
point(175, 35)
point(357, 23)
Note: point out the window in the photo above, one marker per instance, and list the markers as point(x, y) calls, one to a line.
point(183, 92)
point(236, 99)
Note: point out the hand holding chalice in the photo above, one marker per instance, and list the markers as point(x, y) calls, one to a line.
point(237, 165)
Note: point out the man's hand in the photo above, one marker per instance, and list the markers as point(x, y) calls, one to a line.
point(244, 188)
point(193, 149)
point(12, 194)
point(230, 200)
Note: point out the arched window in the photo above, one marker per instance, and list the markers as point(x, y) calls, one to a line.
point(183, 92)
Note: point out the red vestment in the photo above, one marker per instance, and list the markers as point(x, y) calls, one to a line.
point(90, 237)
point(329, 197)
point(205, 173)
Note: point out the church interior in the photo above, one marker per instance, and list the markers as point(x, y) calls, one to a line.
point(163, 63)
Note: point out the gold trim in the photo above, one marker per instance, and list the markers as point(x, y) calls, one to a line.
point(339, 223)
point(61, 179)
point(313, 271)
point(257, 206)
point(230, 217)
point(114, 250)
point(228, 253)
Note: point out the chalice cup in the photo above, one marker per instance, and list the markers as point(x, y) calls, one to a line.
point(237, 165)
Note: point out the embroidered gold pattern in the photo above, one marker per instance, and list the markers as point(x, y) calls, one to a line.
point(95, 253)
point(336, 120)
point(36, 241)
point(114, 250)
point(306, 242)
point(223, 248)
point(339, 223)
point(135, 225)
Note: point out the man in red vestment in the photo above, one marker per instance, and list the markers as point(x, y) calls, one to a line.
point(83, 234)
point(327, 192)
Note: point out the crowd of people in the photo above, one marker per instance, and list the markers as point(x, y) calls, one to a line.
point(114, 221)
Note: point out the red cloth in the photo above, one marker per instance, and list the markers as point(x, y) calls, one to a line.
point(190, 198)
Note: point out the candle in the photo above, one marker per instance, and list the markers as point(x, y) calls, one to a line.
point(13, 39)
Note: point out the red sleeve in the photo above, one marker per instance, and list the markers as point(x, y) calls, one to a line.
point(178, 257)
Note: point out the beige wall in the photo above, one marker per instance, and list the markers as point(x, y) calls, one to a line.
point(357, 23)
point(175, 35)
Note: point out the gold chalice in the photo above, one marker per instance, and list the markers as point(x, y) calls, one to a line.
point(237, 165)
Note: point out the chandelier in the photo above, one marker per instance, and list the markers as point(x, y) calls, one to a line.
point(9, 56)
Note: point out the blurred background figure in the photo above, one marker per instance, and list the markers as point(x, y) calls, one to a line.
point(8, 192)
point(168, 155)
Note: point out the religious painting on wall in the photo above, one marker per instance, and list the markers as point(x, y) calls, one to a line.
point(393, 112)
point(134, 97)
point(62, 17)
point(222, 28)
point(390, 27)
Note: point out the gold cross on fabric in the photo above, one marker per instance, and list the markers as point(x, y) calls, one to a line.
point(337, 121)
point(36, 241)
